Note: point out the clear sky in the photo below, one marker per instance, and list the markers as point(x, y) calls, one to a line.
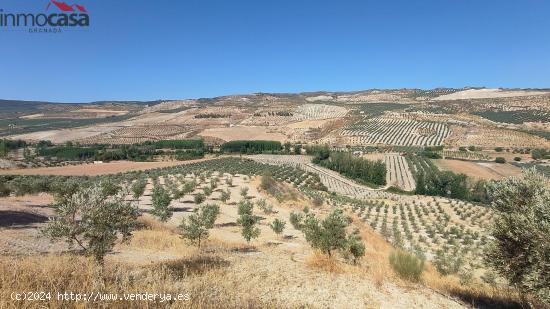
point(142, 50)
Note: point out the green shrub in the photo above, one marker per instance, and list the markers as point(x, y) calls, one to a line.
point(500, 160)
point(199, 198)
point(407, 265)
point(296, 220)
point(448, 262)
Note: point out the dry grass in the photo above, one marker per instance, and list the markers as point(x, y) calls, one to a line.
point(197, 277)
point(321, 261)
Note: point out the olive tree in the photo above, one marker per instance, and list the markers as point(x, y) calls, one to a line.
point(161, 203)
point(520, 249)
point(329, 234)
point(247, 220)
point(93, 220)
point(138, 188)
point(225, 195)
point(278, 226)
point(195, 228)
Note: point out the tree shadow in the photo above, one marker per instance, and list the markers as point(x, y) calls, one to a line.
point(227, 224)
point(182, 209)
point(19, 219)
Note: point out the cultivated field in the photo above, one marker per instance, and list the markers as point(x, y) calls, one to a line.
point(93, 169)
point(396, 131)
point(398, 172)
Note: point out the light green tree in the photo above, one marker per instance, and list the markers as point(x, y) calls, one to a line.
point(520, 249)
point(247, 220)
point(93, 220)
point(161, 203)
point(196, 226)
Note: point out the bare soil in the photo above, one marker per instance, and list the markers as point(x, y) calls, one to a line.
point(490, 171)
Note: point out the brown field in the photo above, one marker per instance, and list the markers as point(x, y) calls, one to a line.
point(491, 171)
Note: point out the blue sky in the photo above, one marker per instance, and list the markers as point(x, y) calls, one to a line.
point(142, 50)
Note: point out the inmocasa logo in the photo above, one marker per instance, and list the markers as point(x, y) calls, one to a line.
point(74, 15)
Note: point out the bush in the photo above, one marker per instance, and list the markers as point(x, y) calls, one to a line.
point(267, 182)
point(199, 198)
point(519, 250)
point(517, 159)
point(225, 195)
point(296, 220)
point(448, 262)
point(355, 247)
point(244, 192)
point(318, 201)
point(407, 265)
point(264, 206)
point(500, 160)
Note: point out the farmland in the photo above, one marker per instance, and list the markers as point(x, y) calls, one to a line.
point(399, 171)
point(396, 131)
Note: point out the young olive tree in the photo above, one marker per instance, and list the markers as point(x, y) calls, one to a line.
point(247, 220)
point(520, 250)
point(278, 226)
point(329, 234)
point(195, 228)
point(244, 192)
point(225, 195)
point(161, 203)
point(93, 220)
point(138, 188)
point(199, 198)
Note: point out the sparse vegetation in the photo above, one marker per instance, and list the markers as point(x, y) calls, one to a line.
point(407, 265)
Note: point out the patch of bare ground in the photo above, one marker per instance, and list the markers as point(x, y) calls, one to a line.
point(479, 170)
